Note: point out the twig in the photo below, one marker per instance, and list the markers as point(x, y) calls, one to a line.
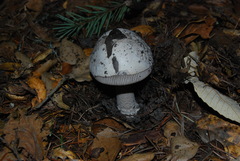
point(52, 92)
point(13, 149)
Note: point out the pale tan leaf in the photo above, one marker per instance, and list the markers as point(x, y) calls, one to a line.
point(106, 145)
point(25, 60)
point(140, 157)
point(222, 104)
point(182, 149)
point(171, 129)
point(70, 52)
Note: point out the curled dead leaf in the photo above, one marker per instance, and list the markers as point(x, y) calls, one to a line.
point(38, 85)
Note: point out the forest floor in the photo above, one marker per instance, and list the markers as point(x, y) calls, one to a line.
point(51, 107)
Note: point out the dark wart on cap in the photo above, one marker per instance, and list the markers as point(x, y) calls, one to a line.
point(120, 58)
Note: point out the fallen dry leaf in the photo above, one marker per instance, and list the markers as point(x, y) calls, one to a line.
point(80, 72)
point(108, 122)
point(66, 68)
point(44, 67)
point(58, 99)
point(7, 50)
point(7, 155)
point(171, 129)
point(106, 145)
point(38, 85)
point(63, 154)
point(25, 60)
point(211, 127)
point(9, 66)
point(140, 157)
point(182, 149)
point(28, 131)
point(88, 51)
point(194, 29)
point(35, 6)
point(70, 52)
point(145, 30)
point(42, 56)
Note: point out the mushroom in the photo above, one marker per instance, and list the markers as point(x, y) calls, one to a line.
point(121, 58)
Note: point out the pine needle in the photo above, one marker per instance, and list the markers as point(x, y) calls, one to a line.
point(100, 17)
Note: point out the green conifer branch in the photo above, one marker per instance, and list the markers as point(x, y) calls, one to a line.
point(100, 17)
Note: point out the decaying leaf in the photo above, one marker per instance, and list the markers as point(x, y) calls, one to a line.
point(57, 98)
point(88, 51)
point(70, 52)
point(214, 128)
point(7, 49)
point(7, 155)
point(171, 129)
point(140, 157)
point(195, 29)
point(42, 56)
point(80, 72)
point(9, 66)
point(25, 60)
point(224, 105)
point(63, 154)
point(145, 30)
point(219, 102)
point(106, 145)
point(44, 67)
point(39, 86)
point(36, 6)
point(182, 149)
point(27, 130)
point(108, 122)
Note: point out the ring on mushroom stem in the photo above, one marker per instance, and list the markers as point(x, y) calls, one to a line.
point(121, 58)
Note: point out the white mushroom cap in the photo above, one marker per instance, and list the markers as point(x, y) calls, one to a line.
point(120, 57)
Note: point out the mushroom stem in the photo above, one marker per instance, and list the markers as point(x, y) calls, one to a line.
point(126, 102)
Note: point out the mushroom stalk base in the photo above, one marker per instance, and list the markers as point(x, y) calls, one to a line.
point(127, 104)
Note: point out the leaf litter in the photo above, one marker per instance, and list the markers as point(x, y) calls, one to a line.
point(49, 79)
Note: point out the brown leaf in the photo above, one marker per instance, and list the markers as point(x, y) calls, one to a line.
point(37, 84)
point(108, 122)
point(171, 129)
point(145, 30)
point(66, 68)
point(42, 56)
point(88, 51)
point(70, 52)
point(106, 145)
point(140, 157)
point(194, 29)
point(63, 154)
point(182, 149)
point(44, 67)
point(225, 132)
point(9, 66)
point(28, 130)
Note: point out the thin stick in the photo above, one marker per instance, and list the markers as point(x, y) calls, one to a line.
point(52, 92)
